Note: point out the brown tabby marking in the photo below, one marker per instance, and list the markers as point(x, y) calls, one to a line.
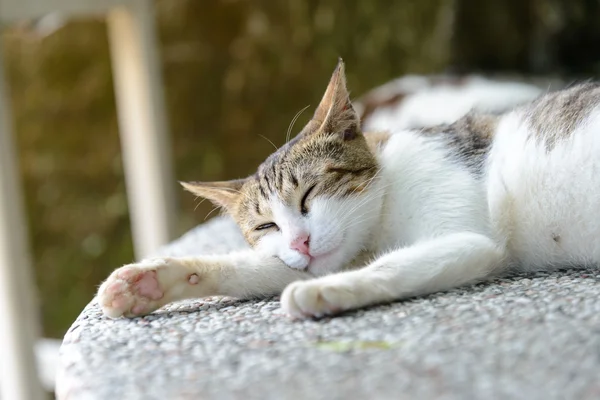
point(469, 138)
point(329, 157)
point(555, 116)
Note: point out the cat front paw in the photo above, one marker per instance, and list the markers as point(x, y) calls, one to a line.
point(316, 298)
point(137, 289)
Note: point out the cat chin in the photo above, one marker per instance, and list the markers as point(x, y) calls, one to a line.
point(327, 263)
point(300, 262)
point(318, 265)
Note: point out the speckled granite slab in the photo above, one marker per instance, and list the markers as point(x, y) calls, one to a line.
point(523, 337)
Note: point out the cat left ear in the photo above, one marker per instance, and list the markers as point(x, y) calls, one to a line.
point(335, 114)
point(224, 194)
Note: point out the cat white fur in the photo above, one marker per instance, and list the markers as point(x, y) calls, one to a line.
point(544, 205)
point(427, 223)
point(536, 209)
point(339, 230)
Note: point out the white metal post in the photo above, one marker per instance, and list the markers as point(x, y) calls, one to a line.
point(142, 123)
point(19, 320)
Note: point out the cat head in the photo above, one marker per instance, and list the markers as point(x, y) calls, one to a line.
point(315, 200)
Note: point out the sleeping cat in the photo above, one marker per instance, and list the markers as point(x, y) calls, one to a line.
point(339, 219)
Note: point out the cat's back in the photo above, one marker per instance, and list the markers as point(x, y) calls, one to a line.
point(556, 116)
point(543, 178)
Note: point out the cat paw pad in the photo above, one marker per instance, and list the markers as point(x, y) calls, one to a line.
point(132, 290)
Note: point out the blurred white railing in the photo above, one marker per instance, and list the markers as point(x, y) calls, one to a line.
point(146, 154)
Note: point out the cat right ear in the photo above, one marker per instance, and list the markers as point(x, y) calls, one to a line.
point(335, 113)
point(224, 194)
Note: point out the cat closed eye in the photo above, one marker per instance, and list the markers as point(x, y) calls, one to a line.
point(303, 207)
point(266, 226)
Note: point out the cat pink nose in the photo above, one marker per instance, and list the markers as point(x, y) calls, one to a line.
point(300, 244)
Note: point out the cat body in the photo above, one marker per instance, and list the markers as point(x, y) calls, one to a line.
point(338, 219)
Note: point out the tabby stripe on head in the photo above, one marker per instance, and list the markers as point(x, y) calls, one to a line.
point(274, 175)
point(268, 183)
point(293, 179)
point(279, 181)
point(359, 171)
point(340, 181)
point(262, 191)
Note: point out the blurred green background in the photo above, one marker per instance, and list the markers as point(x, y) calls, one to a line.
point(234, 70)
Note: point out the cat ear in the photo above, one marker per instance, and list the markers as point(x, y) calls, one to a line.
point(224, 194)
point(335, 114)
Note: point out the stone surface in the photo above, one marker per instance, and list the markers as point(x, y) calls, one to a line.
point(525, 336)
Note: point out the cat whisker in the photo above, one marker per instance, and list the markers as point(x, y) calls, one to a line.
point(359, 220)
point(268, 140)
point(379, 191)
point(289, 131)
point(355, 222)
point(198, 204)
point(211, 211)
point(369, 182)
point(370, 196)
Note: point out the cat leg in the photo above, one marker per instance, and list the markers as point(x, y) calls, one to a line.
point(426, 267)
point(140, 288)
